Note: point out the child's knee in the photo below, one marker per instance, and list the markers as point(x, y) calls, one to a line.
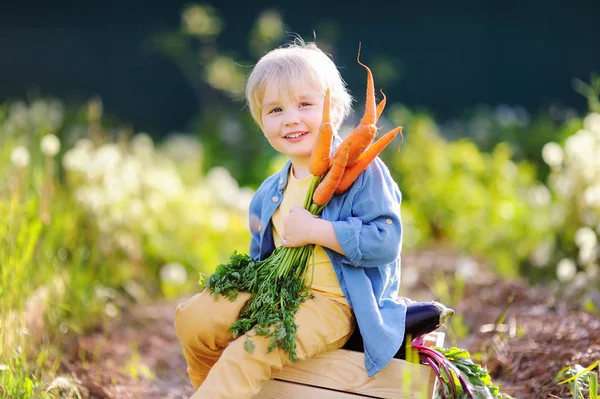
point(189, 319)
point(203, 318)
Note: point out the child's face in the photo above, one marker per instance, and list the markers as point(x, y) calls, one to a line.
point(291, 122)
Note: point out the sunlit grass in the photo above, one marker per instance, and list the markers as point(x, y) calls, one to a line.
point(90, 229)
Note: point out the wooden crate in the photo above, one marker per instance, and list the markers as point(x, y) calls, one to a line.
point(340, 374)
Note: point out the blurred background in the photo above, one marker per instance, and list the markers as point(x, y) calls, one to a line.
point(128, 157)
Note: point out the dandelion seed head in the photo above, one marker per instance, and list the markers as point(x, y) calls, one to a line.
point(553, 155)
point(173, 273)
point(566, 270)
point(50, 145)
point(20, 157)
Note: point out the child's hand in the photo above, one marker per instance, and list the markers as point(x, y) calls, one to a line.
point(297, 227)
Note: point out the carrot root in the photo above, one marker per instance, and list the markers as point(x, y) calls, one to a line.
point(327, 188)
point(353, 171)
point(319, 160)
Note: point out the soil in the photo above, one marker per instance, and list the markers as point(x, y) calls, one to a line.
point(522, 334)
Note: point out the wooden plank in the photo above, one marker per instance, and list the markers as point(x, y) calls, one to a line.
point(344, 370)
point(286, 390)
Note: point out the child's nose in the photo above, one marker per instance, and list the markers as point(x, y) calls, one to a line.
point(292, 117)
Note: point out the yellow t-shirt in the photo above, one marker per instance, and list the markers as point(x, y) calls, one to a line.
point(325, 280)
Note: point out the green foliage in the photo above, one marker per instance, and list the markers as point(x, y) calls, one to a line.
point(477, 377)
point(574, 246)
point(122, 220)
point(582, 382)
point(481, 203)
point(226, 130)
point(17, 383)
point(526, 134)
point(276, 294)
point(232, 140)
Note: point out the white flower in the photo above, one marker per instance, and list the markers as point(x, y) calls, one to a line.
point(105, 159)
point(142, 144)
point(165, 181)
point(222, 184)
point(77, 159)
point(92, 197)
point(466, 267)
point(566, 270)
point(108, 156)
point(19, 157)
point(181, 147)
point(587, 255)
point(562, 184)
point(592, 122)
point(539, 195)
point(585, 237)
point(579, 149)
point(591, 196)
point(50, 145)
point(553, 155)
point(173, 274)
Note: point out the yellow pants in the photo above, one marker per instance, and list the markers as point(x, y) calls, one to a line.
point(220, 367)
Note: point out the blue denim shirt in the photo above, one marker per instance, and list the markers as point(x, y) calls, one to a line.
point(366, 220)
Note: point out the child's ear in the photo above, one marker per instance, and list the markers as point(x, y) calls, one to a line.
point(335, 120)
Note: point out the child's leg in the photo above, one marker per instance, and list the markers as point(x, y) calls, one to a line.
point(202, 325)
point(323, 325)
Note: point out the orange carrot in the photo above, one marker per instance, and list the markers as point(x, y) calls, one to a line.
point(363, 134)
point(352, 172)
point(381, 105)
point(327, 187)
point(319, 160)
point(370, 113)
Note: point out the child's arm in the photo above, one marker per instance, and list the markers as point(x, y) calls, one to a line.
point(372, 233)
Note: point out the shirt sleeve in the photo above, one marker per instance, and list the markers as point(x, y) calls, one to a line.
point(372, 235)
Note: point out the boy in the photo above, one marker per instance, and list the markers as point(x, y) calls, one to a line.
point(356, 271)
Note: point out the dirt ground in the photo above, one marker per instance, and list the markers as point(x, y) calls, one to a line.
point(140, 357)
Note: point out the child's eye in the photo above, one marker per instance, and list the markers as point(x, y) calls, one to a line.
point(305, 104)
point(276, 109)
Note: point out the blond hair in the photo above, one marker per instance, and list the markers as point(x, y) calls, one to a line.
point(294, 64)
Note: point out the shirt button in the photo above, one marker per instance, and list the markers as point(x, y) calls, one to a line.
point(259, 228)
point(280, 181)
point(275, 199)
point(388, 221)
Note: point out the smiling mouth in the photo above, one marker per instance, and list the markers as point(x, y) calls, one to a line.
point(295, 135)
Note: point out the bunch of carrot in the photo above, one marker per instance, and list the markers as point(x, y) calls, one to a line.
point(277, 284)
point(353, 156)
